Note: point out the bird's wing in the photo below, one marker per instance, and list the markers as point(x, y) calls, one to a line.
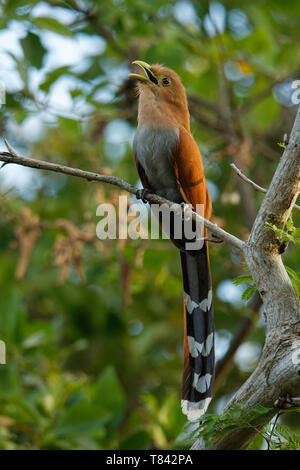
point(198, 369)
point(189, 171)
point(141, 172)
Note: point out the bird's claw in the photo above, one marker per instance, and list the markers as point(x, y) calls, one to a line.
point(185, 211)
point(142, 194)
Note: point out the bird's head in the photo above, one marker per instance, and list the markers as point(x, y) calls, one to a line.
point(161, 88)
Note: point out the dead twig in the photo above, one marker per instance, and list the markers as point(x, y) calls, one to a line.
point(254, 185)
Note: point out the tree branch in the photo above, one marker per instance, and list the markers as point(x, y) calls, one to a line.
point(277, 374)
point(13, 157)
point(254, 185)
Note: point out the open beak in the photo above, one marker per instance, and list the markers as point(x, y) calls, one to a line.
point(149, 75)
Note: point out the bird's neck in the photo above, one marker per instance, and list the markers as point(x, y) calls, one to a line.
point(154, 114)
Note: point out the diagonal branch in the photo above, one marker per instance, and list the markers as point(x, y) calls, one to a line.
point(13, 157)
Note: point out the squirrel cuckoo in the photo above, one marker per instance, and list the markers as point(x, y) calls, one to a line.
point(169, 164)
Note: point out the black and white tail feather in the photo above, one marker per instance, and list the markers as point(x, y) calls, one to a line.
point(199, 358)
point(198, 368)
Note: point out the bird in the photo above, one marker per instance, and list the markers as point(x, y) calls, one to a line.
point(169, 164)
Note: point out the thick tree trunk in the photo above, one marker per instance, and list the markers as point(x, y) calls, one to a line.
point(278, 373)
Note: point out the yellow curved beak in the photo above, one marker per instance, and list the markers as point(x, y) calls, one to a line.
point(149, 75)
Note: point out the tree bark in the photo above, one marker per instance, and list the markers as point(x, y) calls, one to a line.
point(277, 374)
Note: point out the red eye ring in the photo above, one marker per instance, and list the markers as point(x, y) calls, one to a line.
point(165, 81)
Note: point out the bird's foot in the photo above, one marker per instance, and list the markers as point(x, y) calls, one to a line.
point(142, 194)
point(185, 211)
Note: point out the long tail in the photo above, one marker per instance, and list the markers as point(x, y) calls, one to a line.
point(198, 368)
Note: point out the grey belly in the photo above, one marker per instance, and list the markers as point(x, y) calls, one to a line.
point(153, 149)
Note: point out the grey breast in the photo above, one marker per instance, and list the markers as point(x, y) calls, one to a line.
point(153, 149)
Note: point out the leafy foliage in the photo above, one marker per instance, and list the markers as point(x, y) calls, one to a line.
point(214, 426)
point(274, 436)
point(289, 233)
point(251, 288)
point(279, 437)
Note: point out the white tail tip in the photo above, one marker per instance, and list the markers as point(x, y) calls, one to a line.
point(194, 410)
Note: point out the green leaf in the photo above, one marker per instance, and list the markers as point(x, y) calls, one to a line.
point(19, 115)
point(75, 92)
point(260, 410)
point(281, 144)
point(139, 440)
point(9, 381)
point(289, 233)
point(52, 76)
point(33, 49)
point(94, 70)
point(12, 317)
point(82, 418)
point(108, 392)
point(242, 280)
point(295, 279)
point(247, 294)
point(257, 443)
point(265, 112)
point(51, 24)
point(22, 68)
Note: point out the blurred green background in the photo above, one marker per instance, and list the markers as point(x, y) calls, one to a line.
point(94, 329)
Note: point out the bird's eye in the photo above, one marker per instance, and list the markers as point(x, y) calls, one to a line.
point(165, 81)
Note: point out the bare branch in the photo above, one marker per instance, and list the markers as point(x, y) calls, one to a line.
point(254, 185)
point(13, 157)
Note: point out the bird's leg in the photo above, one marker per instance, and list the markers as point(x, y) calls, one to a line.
point(142, 194)
point(185, 211)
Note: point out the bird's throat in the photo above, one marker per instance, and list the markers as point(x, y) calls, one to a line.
point(154, 113)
